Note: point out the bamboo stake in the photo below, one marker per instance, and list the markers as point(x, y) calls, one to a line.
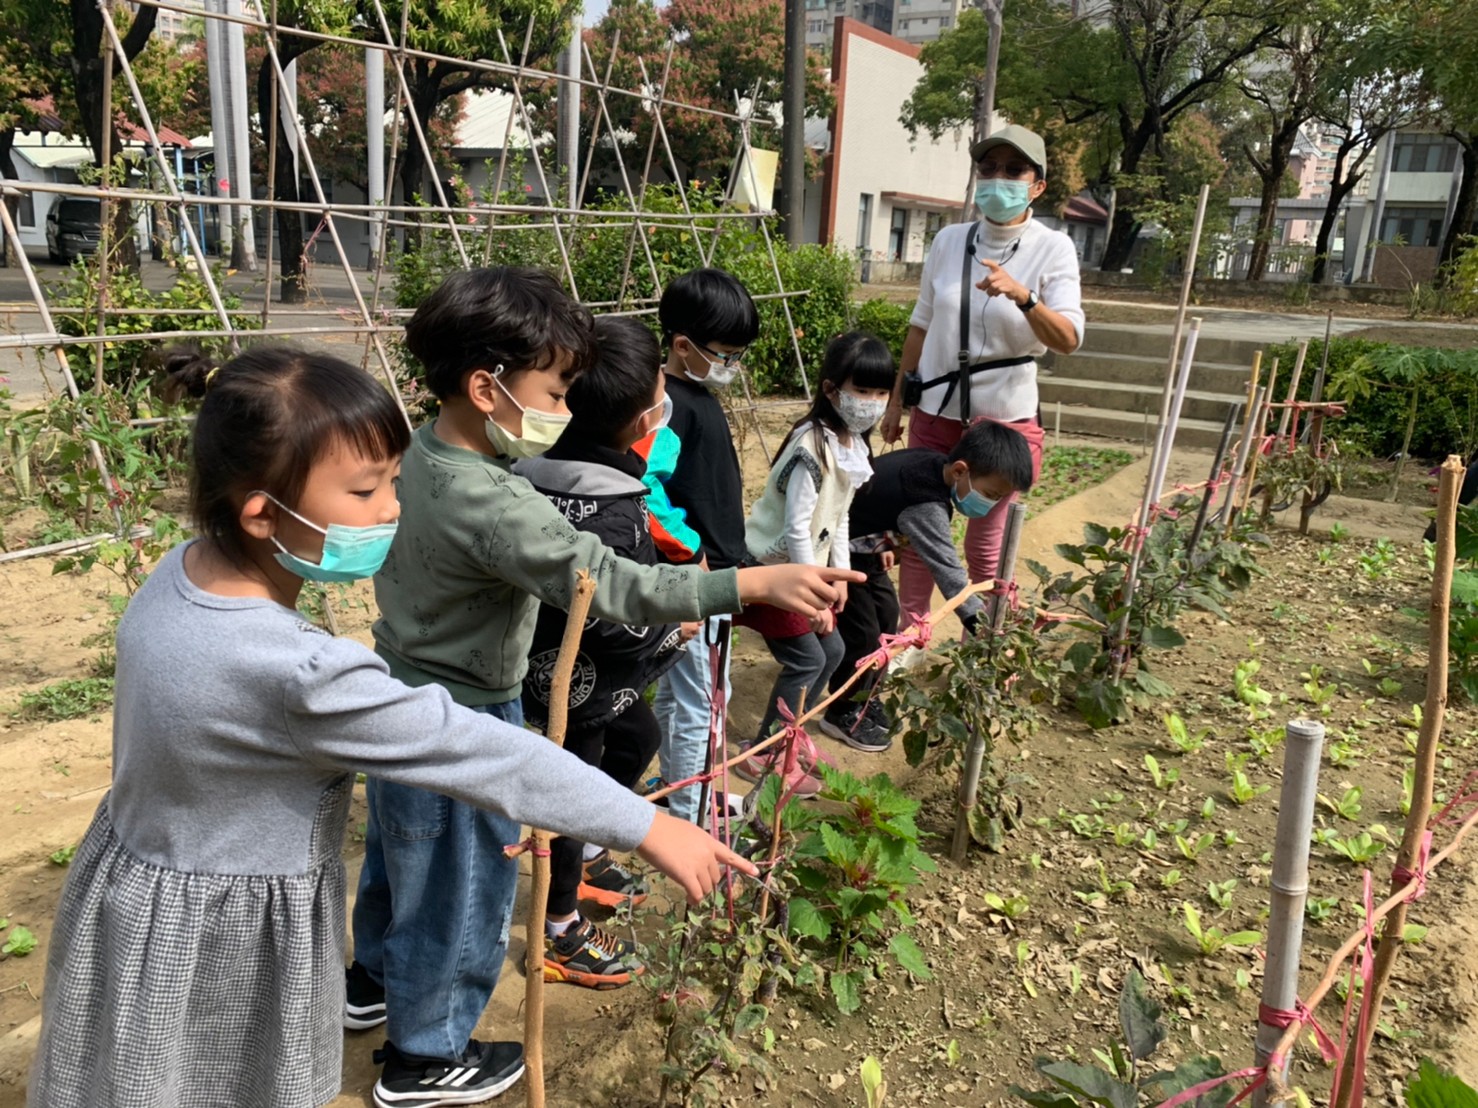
point(1298, 372)
point(1408, 855)
point(1227, 427)
point(975, 756)
point(1318, 391)
point(1252, 382)
point(1289, 885)
point(1239, 467)
point(1259, 429)
point(559, 703)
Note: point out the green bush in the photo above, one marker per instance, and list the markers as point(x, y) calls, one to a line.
point(1374, 423)
point(598, 253)
point(886, 320)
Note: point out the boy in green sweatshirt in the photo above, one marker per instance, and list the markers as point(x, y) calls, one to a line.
point(477, 550)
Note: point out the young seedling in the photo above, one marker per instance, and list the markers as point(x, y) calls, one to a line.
point(1186, 741)
point(1377, 562)
point(1408, 789)
point(1170, 879)
point(1191, 850)
point(1390, 688)
point(1125, 835)
point(19, 942)
point(1211, 940)
point(1347, 806)
point(1230, 837)
point(1320, 908)
point(1012, 907)
point(1105, 890)
point(1338, 532)
point(64, 856)
point(1325, 556)
point(1263, 741)
point(1083, 825)
point(1244, 791)
point(1220, 892)
point(1245, 685)
point(1149, 840)
point(1359, 848)
point(1319, 693)
point(1342, 751)
point(1208, 809)
point(1163, 779)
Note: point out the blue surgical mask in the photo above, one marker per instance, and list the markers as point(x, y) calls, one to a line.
point(1000, 200)
point(973, 505)
point(349, 553)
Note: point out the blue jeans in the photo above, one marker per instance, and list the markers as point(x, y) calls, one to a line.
point(432, 913)
point(683, 705)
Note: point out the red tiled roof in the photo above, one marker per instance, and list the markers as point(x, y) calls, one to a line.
point(45, 108)
point(1085, 209)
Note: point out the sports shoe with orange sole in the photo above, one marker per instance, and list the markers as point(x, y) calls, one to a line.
point(606, 882)
point(590, 956)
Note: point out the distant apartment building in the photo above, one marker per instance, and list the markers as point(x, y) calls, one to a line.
point(921, 21)
point(821, 16)
point(171, 25)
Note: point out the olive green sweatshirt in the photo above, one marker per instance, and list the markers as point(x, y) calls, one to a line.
point(477, 550)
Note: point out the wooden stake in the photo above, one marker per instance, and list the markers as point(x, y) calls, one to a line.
point(1407, 857)
point(559, 705)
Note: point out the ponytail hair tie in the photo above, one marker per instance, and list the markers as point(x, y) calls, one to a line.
point(210, 378)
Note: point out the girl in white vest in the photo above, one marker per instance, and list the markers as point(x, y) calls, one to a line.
point(801, 517)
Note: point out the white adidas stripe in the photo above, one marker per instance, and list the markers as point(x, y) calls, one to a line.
point(455, 1077)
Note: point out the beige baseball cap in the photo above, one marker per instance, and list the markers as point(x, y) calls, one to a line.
point(1027, 143)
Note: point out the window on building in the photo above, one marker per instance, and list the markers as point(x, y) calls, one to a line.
point(1414, 226)
point(943, 21)
point(905, 25)
point(27, 211)
point(924, 22)
point(864, 222)
point(897, 234)
point(1424, 154)
point(841, 7)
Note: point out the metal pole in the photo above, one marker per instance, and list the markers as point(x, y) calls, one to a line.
point(244, 249)
point(217, 71)
point(1289, 886)
point(793, 155)
point(374, 123)
point(1227, 427)
point(985, 117)
point(569, 116)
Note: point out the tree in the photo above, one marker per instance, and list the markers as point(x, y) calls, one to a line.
point(23, 44)
point(1180, 53)
point(1290, 90)
point(726, 51)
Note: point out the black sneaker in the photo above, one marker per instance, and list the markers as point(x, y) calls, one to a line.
point(364, 999)
point(483, 1071)
point(591, 956)
point(850, 723)
point(878, 714)
point(610, 884)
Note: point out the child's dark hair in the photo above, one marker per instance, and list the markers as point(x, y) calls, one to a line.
point(267, 416)
point(513, 316)
point(607, 397)
point(991, 447)
point(709, 306)
point(855, 356)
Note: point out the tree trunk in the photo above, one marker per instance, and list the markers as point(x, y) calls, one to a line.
point(11, 254)
point(1124, 229)
point(1272, 172)
point(1341, 184)
point(293, 288)
point(415, 180)
point(1465, 210)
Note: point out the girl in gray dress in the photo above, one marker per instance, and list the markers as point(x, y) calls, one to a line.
point(198, 951)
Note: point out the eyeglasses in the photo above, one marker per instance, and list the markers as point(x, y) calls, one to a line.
point(1011, 171)
point(726, 359)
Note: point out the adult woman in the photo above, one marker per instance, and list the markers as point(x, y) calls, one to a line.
point(1024, 300)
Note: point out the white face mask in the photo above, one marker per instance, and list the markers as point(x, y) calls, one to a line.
point(540, 429)
point(720, 375)
point(858, 414)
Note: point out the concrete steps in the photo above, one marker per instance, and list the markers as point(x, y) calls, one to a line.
point(1110, 385)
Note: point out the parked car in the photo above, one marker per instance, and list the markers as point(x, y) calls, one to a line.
point(74, 227)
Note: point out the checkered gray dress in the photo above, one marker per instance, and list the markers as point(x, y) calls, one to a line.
point(184, 990)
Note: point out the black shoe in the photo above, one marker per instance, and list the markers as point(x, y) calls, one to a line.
point(483, 1071)
point(850, 723)
point(877, 715)
point(364, 999)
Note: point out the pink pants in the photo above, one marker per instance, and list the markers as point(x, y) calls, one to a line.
point(982, 536)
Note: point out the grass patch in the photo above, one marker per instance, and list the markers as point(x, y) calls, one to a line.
point(71, 699)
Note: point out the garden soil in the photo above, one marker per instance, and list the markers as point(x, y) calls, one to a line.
point(964, 1036)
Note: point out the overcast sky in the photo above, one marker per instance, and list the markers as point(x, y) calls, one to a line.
point(594, 9)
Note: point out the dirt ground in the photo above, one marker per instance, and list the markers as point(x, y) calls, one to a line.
point(604, 1048)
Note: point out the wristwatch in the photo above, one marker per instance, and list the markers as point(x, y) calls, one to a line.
point(1032, 300)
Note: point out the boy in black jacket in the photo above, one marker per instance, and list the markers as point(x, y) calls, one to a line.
point(595, 479)
point(912, 496)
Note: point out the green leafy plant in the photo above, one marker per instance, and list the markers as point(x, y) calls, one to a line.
point(1220, 892)
point(854, 866)
point(1163, 779)
point(1318, 692)
point(1338, 532)
point(1378, 561)
point(1191, 849)
point(1211, 940)
point(1244, 683)
point(1264, 741)
point(1244, 791)
point(1320, 908)
point(1359, 848)
point(1434, 1087)
point(1347, 806)
point(874, 1088)
point(1184, 739)
point(1105, 890)
point(64, 856)
point(990, 686)
point(1124, 1080)
point(1012, 907)
point(19, 942)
